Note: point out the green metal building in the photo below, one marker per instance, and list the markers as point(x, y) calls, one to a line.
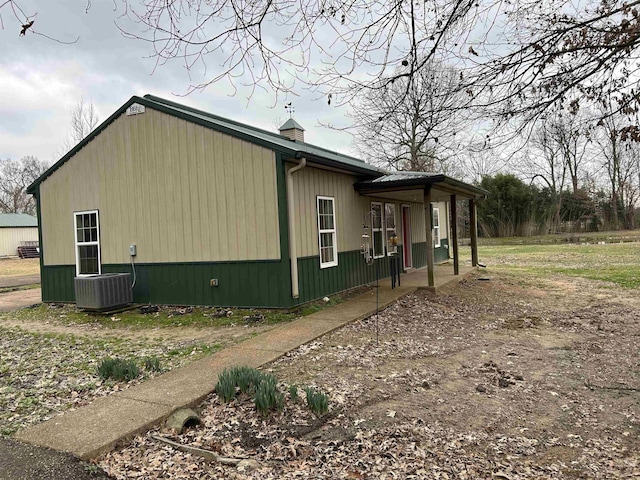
point(217, 212)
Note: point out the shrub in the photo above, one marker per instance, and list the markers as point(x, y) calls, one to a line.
point(317, 401)
point(118, 369)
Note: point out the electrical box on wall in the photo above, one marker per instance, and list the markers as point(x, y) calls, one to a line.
point(133, 250)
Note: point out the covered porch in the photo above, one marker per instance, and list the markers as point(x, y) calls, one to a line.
point(429, 189)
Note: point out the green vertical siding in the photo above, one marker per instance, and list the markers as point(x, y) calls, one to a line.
point(419, 254)
point(441, 253)
point(57, 283)
point(350, 272)
point(242, 284)
point(246, 284)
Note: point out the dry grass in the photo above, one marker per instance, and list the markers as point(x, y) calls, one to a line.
point(19, 266)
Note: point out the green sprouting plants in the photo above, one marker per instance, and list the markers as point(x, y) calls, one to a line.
point(118, 369)
point(248, 379)
point(262, 388)
point(267, 397)
point(226, 386)
point(317, 402)
point(152, 364)
point(293, 393)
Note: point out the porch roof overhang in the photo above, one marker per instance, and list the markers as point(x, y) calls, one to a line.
point(409, 184)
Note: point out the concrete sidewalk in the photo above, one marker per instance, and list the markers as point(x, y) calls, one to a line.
point(96, 428)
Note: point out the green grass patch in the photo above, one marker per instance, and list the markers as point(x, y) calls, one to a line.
point(617, 263)
point(560, 238)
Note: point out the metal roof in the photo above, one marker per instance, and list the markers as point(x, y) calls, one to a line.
point(402, 176)
point(290, 125)
point(17, 220)
point(275, 140)
point(378, 179)
point(413, 180)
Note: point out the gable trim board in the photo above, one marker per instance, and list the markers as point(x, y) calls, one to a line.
point(205, 198)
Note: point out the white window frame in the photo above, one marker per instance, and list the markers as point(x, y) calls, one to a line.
point(391, 249)
point(374, 230)
point(332, 231)
point(79, 244)
point(436, 226)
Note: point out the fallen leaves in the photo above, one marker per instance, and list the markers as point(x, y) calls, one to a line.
point(42, 374)
point(450, 392)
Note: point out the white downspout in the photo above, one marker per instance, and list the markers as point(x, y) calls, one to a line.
point(293, 253)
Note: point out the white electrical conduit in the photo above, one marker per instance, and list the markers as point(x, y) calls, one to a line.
point(133, 268)
point(293, 253)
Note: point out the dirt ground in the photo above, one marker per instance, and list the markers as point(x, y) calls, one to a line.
point(506, 377)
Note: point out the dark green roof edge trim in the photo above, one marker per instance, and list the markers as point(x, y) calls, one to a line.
point(297, 150)
point(418, 182)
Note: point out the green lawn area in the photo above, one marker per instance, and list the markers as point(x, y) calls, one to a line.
point(618, 263)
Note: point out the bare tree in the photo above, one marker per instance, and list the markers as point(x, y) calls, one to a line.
point(556, 156)
point(519, 58)
point(83, 120)
point(479, 163)
point(412, 123)
point(573, 135)
point(620, 160)
point(546, 164)
point(15, 177)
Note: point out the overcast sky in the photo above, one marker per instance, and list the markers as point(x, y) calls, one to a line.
point(41, 81)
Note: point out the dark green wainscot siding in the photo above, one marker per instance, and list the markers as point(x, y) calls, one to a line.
point(419, 254)
point(57, 283)
point(351, 271)
point(441, 253)
point(243, 284)
point(246, 284)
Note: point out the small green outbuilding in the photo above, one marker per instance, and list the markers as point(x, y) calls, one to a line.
point(209, 211)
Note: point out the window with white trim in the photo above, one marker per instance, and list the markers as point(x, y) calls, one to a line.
point(377, 235)
point(390, 227)
point(436, 226)
point(327, 239)
point(87, 239)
